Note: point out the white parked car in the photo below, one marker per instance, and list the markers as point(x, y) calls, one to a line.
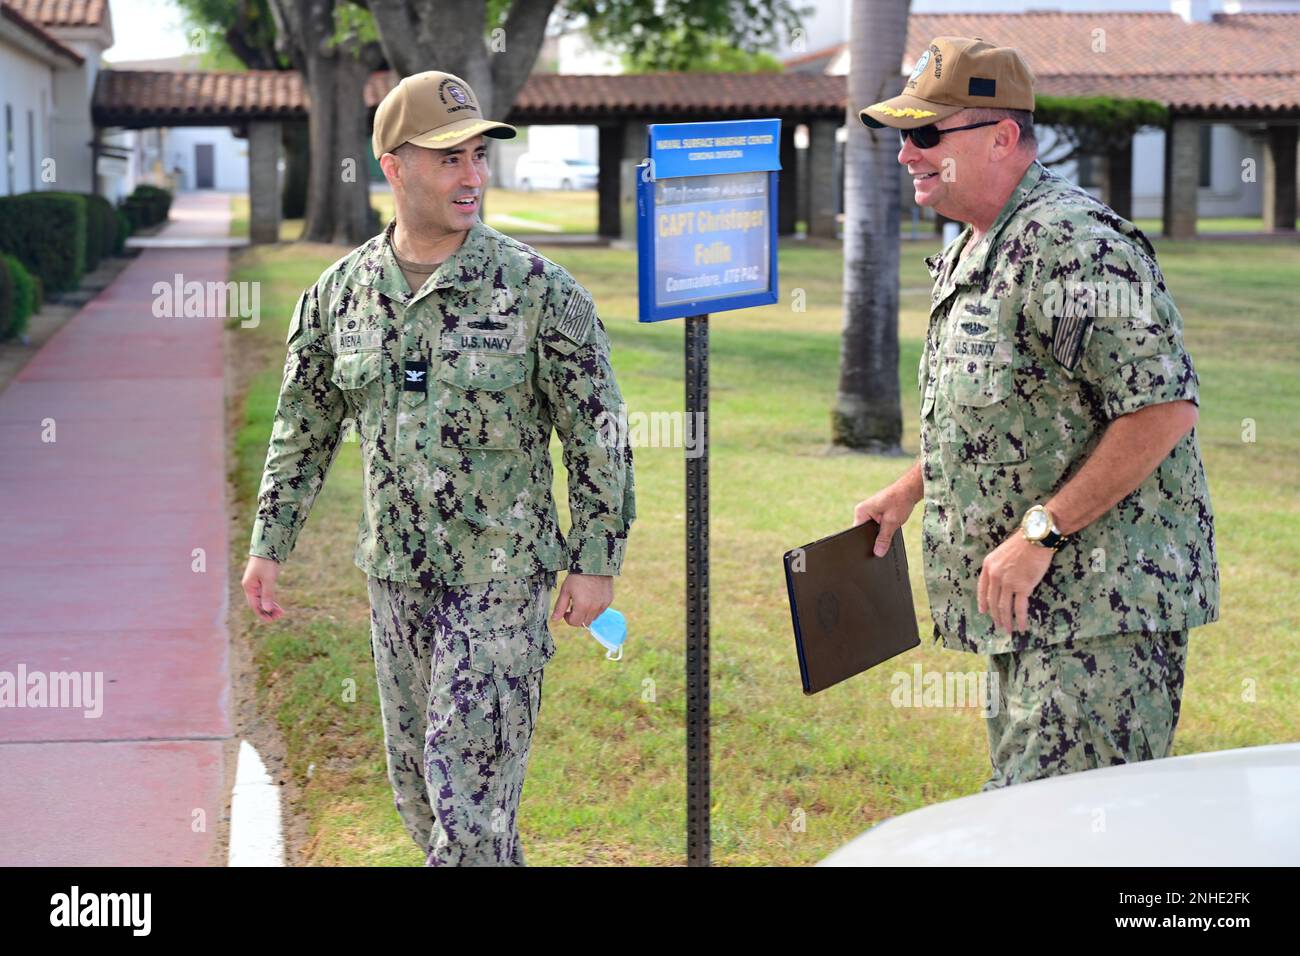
point(535, 171)
point(1222, 808)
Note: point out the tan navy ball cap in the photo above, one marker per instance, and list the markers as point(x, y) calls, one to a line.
point(953, 74)
point(431, 109)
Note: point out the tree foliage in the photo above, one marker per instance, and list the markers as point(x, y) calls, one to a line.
point(719, 57)
point(1093, 125)
point(353, 28)
point(239, 33)
point(679, 35)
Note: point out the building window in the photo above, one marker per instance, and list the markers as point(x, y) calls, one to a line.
point(1207, 140)
point(31, 150)
point(45, 129)
point(9, 147)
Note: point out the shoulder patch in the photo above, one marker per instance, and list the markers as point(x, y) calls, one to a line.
point(1071, 327)
point(577, 316)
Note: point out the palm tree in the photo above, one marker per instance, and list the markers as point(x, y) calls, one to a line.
point(867, 415)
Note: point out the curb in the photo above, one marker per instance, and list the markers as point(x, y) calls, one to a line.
point(256, 838)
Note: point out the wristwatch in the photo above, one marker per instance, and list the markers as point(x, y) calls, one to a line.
point(1039, 527)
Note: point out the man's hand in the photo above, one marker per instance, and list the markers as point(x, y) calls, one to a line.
point(890, 509)
point(1008, 576)
point(259, 587)
point(582, 598)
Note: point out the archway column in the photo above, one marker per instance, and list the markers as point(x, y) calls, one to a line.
point(823, 183)
point(1280, 179)
point(264, 181)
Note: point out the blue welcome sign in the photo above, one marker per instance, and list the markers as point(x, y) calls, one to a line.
point(706, 242)
point(706, 218)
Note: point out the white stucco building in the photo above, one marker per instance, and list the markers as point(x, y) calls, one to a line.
point(51, 54)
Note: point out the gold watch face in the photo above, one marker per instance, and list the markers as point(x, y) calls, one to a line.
point(1037, 524)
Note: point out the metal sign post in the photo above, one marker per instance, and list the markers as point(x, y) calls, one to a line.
point(697, 594)
point(706, 243)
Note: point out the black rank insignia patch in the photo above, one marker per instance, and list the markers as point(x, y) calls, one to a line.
point(415, 374)
point(579, 313)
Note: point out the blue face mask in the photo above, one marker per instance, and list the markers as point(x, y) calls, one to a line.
point(610, 629)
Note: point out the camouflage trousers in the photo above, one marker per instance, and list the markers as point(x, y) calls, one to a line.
point(1083, 704)
point(459, 671)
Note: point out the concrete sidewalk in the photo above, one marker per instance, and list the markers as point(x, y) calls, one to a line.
point(99, 575)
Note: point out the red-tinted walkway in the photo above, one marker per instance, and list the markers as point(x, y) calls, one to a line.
point(105, 529)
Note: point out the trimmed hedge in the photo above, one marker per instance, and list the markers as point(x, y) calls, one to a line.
point(123, 231)
point(47, 233)
point(7, 283)
point(101, 224)
point(147, 205)
point(101, 227)
point(19, 297)
point(139, 212)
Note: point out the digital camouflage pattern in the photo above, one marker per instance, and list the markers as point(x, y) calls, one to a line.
point(460, 686)
point(1025, 364)
point(454, 389)
point(1081, 705)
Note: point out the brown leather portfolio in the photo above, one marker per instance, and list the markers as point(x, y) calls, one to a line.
point(851, 610)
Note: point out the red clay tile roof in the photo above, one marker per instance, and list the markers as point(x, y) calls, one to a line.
point(1246, 64)
point(62, 13)
point(145, 98)
point(172, 98)
point(1219, 93)
point(567, 97)
point(35, 29)
point(552, 96)
point(1239, 62)
point(1135, 44)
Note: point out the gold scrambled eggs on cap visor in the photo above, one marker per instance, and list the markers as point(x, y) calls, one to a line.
point(905, 112)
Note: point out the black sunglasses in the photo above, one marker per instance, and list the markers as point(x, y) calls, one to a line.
point(927, 137)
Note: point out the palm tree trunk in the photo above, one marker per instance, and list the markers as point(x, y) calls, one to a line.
point(867, 415)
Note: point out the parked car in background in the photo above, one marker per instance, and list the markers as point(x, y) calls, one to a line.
point(535, 171)
point(1220, 808)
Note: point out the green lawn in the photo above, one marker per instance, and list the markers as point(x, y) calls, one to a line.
point(539, 212)
point(1154, 227)
point(606, 781)
point(575, 212)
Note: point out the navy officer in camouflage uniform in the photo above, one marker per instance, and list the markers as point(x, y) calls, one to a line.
point(455, 351)
point(1067, 526)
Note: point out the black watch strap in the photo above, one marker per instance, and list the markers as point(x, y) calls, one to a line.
point(1053, 540)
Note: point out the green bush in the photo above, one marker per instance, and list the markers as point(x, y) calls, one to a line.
point(123, 231)
point(47, 233)
point(101, 219)
point(99, 241)
point(20, 303)
point(136, 212)
point(7, 317)
point(157, 202)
